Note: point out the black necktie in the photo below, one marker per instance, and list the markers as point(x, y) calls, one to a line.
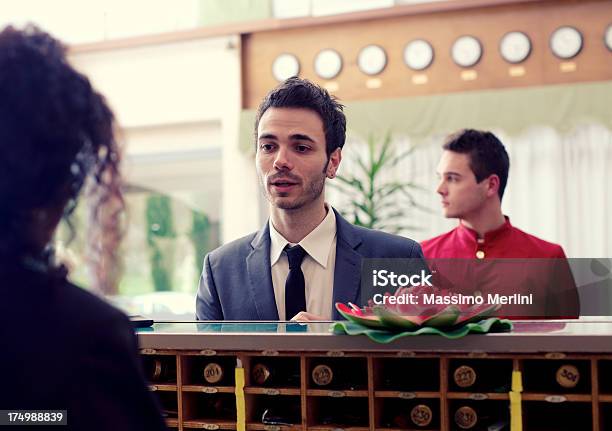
point(295, 291)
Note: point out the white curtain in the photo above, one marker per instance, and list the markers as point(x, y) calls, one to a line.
point(559, 186)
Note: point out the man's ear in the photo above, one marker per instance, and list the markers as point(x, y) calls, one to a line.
point(334, 161)
point(493, 184)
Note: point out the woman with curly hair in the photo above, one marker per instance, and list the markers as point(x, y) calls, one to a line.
point(62, 347)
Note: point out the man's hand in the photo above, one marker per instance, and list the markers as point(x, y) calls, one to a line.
point(304, 316)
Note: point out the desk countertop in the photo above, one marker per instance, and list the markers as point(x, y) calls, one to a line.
point(526, 337)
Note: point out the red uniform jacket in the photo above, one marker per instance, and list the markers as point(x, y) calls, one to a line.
point(506, 261)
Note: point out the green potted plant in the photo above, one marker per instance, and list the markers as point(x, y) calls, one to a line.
point(374, 202)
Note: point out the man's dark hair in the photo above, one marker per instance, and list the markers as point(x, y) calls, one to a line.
point(301, 93)
point(487, 154)
point(55, 130)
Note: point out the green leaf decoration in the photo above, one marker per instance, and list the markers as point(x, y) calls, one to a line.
point(493, 324)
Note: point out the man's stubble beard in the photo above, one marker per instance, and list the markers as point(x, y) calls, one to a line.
point(311, 193)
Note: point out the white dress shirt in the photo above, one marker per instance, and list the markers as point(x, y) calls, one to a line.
point(318, 267)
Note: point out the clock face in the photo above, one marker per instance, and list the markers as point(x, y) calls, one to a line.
point(566, 42)
point(466, 51)
point(608, 37)
point(418, 54)
point(285, 66)
point(515, 47)
point(372, 60)
point(328, 64)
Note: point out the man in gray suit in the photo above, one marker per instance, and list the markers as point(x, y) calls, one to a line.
point(306, 257)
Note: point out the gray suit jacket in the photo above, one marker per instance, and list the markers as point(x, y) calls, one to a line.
point(236, 281)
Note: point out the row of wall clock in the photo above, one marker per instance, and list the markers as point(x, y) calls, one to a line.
point(515, 47)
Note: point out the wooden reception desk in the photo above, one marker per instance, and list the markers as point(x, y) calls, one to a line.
point(542, 375)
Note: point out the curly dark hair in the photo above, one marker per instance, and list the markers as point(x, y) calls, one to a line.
point(301, 93)
point(56, 131)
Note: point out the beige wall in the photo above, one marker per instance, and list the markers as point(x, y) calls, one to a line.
point(178, 106)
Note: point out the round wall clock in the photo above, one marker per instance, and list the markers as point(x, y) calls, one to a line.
point(608, 37)
point(566, 42)
point(418, 54)
point(328, 64)
point(285, 66)
point(372, 60)
point(515, 47)
point(466, 51)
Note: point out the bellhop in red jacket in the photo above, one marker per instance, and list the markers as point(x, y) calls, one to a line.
point(473, 172)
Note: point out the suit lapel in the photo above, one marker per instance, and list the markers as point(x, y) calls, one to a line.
point(347, 272)
point(260, 277)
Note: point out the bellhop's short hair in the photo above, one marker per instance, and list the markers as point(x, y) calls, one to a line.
point(487, 154)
